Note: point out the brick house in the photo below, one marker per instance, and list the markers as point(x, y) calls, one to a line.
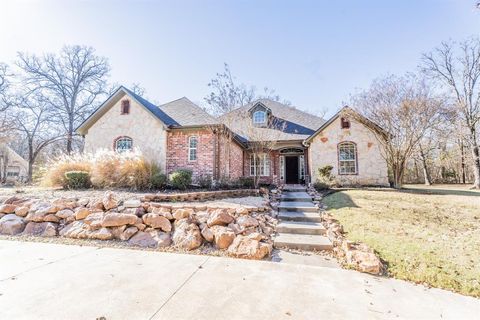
point(180, 134)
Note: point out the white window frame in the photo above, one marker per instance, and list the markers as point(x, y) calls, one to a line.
point(262, 163)
point(345, 165)
point(301, 167)
point(263, 116)
point(192, 150)
point(282, 168)
point(126, 140)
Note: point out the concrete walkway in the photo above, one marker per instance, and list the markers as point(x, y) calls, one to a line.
point(52, 281)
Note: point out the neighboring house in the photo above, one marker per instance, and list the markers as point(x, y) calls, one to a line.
point(180, 134)
point(13, 167)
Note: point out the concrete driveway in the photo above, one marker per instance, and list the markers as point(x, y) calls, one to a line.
point(52, 281)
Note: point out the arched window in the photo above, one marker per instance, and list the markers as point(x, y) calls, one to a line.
point(347, 158)
point(192, 148)
point(259, 117)
point(123, 144)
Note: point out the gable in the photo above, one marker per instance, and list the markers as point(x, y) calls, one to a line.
point(114, 99)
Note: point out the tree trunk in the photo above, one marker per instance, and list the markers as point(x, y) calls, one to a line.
point(398, 177)
point(462, 158)
point(426, 174)
point(476, 159)
point(30, 171)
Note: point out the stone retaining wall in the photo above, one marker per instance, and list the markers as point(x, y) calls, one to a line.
point(202, 195)
point(243, 231)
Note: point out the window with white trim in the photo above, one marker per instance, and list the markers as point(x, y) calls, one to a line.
point(123, 144)
point(259, 117)
point(260, 164)
point(282, 167)
point(301, 167)
point(347, 158)
point(192, 148)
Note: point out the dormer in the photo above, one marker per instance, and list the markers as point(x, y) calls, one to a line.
point(260, 114)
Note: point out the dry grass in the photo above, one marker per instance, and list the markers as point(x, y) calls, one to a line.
point(426, 235)
point(107, 169)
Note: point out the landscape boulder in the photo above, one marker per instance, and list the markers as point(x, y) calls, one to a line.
point(81, 213)
point(128, 233)
point(66, 214)
point(43, 229)
point(11, 224)
point(249, 248)
point(21, 211)
point(151, 239)
point(165, 212)
point(364, 261)
point(247, 221)
point(115, 219)
point(179, 214)
point(109, 201)
point(207, 234)
point(156, 221)
point(219, 217)
point(132, 203)
point(7, 208)
point(100, 234)
point(187, 235)
point(222, 236)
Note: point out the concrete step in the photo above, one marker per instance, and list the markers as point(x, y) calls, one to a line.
point(294, 188)
point(302, 242)
point(296, 196)
point(297, 206)
point(299, 216)
point(301, 227)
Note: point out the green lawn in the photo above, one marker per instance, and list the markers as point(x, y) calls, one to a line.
point(426, 235)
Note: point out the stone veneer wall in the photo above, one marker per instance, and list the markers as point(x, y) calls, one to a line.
point(372, 167)
point(148, 134)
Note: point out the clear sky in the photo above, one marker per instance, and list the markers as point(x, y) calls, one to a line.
point(313, 53)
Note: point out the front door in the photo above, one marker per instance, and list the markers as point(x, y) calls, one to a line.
point(291, 169)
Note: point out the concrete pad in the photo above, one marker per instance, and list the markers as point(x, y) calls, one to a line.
point(304, 258)
point(110, 283)
point(22, 258)
point(133, 284)
point(236, 289)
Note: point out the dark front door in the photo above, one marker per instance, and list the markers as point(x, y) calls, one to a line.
point(291, 169)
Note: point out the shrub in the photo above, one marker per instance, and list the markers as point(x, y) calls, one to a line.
point(205, 181)
point(321, 186)
point(55, 169)
point(107, 169)
point(246, 182)
point(325, 171)
point(159, 180)
point(181, 179)
point(77, 180)
point(325, 179)
point(224, 183)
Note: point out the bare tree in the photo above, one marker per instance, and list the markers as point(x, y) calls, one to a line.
point(5, 102)
point(71, 81)
point(33, 121)
point(399, 111)
point(458, 68)
point(4, 161)
point(227, 94)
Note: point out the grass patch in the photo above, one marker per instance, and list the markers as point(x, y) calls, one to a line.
point(425, 236)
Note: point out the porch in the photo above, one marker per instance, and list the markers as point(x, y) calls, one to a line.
point(287, 165)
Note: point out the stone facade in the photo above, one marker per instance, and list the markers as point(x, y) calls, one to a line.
point(148, 134)
point(323, 150)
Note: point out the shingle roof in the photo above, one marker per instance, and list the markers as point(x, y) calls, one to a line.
point(187, 113)
point(295, 124)
point(160, 114)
